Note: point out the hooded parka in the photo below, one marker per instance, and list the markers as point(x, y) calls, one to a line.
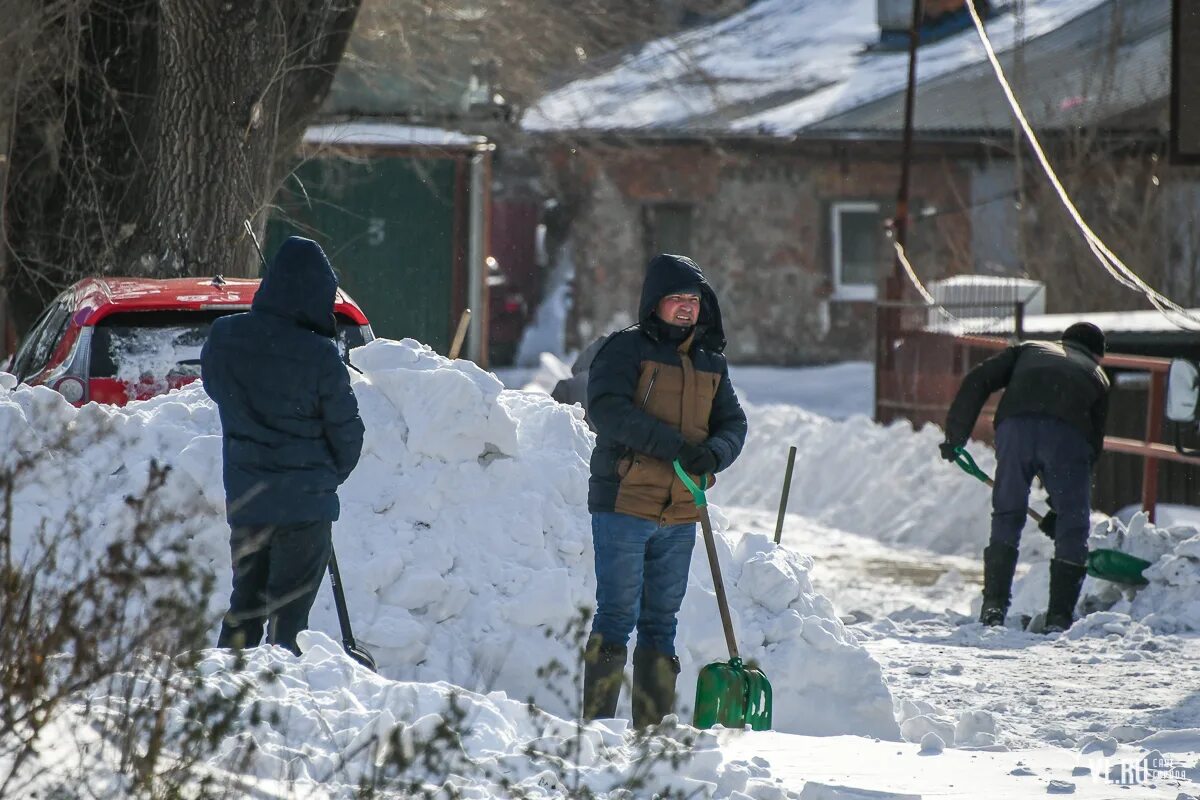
point(653, 387)
point(290, 423)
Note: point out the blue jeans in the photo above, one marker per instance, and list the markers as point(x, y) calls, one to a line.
point(1029, 445)
point(641, 576)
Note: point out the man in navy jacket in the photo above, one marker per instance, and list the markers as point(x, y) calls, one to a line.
point(291, 436)
point(657, 392)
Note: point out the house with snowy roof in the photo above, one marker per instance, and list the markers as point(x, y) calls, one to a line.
point(768, 146)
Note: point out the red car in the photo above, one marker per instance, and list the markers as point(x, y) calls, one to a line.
point(112, 340)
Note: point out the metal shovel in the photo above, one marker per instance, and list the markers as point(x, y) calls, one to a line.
point(728, 693)
point(352, 648)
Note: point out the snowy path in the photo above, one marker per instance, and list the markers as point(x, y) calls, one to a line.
point(864, 769)
point(1048, 697)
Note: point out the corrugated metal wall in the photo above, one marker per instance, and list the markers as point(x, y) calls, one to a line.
point(394, 227)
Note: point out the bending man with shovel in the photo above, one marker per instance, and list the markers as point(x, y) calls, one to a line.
point(1050, 422)
point(658, 392)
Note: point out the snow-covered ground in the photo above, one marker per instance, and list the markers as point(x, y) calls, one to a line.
point(465, 550)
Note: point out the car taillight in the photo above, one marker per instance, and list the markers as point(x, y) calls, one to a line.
point(73, 389)
point(71, 378)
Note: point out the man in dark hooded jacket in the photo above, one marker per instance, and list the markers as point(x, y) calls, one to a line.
point(657, 391)
point(1050, 422)
point(291, 435)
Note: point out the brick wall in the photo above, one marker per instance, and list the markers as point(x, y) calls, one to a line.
point(760, 229)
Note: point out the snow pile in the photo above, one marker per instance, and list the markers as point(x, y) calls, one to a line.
point(1171, 601)
point(546, 333)
point(464, 541)
point(325, 727)
point(836, 391)
point(922, 720)
point(885, 482)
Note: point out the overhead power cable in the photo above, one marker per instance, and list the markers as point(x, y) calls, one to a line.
point(1113, 265)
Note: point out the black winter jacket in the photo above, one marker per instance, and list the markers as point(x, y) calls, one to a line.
point(289, 419)
point(1055, 379)
point(650, 389)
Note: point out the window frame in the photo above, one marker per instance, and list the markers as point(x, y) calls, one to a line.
point(841, 289)
point(652, 244)
point(35, 353)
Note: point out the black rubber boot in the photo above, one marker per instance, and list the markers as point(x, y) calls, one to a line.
point(999, 564)
point(1066, 581)
point(603, 671)
point(654, 677)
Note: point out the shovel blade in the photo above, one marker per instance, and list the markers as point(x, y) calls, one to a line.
point(732, 695)
point(1116, 566)
point(359, 654)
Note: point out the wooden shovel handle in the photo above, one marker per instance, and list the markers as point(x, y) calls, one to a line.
point(1033, 515)
point(460, 334)
point(710, 544)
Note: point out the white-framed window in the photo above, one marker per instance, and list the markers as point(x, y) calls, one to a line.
point(667, 228)
point(857, 238)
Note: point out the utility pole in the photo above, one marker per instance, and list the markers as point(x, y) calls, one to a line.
point(888, 313)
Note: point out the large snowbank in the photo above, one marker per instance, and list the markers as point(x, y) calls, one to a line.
point(886, 482)
point(464, 540)
point(322, 726)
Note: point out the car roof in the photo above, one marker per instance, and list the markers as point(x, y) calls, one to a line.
point(99, 297)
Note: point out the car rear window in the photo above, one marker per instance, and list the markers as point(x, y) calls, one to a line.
point(162, 344)
point(151, 343)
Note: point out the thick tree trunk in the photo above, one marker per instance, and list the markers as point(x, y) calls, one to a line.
point(162, 129)
point(238, 83)
point(219, 66)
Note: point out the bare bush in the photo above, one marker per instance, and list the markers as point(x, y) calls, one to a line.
point(100, 636)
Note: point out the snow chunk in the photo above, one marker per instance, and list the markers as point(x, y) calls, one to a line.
point(932, 744)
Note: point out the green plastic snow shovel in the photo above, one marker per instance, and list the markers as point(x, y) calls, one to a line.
point(1104, 563)
point(1117, 566)
point(728, 693)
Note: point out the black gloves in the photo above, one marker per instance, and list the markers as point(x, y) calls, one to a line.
point(697, 459)
point(949, 451)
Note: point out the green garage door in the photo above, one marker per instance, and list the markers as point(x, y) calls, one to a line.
point(387, 224)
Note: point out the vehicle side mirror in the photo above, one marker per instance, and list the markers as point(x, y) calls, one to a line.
point(1183, 391)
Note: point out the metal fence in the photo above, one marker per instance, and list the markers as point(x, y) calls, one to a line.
point(920, 364)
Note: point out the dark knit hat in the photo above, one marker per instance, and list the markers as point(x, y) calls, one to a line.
point(1088, 335)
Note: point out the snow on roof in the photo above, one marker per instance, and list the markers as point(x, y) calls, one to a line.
point(774, 68)
point(386, 133)
point(1109, 62)
point(1038, 326)
point(986, 281)
point(1108, 321)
